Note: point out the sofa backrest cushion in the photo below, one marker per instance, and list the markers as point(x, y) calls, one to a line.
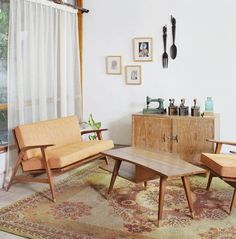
point(59, 132)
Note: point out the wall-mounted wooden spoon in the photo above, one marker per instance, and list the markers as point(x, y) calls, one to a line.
point(173, 48)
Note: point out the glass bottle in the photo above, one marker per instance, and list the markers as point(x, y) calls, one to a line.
point(209, 104)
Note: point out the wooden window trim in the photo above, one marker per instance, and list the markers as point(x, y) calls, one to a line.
point(3, 106)
point(3, 149)
point(80, 30)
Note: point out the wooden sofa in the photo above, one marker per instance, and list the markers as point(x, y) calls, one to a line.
point(54, 146)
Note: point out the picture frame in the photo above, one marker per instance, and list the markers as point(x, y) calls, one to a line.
point(133, 75)
point(113, 65)
point(142, 49)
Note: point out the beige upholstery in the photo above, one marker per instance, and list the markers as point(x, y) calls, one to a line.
point(65, 155)
point(65, 134)
point(60, 132)
point(54, 146)
point(224, 165)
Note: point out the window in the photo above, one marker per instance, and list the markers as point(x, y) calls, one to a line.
point(4, 17)
point(72, 2)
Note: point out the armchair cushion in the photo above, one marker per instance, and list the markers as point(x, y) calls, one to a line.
point(59, 132)
point(65, 155)
point(223, 164)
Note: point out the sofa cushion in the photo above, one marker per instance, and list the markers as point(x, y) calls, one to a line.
point(60, 132)
point(223, 164)
point(65, 155)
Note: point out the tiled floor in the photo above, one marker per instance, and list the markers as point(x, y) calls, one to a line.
point(19, 191)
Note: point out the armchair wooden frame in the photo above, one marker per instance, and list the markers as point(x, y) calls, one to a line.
point(228, 180)
point(29, 177)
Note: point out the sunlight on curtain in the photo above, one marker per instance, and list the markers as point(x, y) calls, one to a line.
point(43, 72)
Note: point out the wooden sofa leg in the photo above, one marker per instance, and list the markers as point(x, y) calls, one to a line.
point(209, 181)
point(49, 174)
point(145, 184)
point(106, 160)
point(233, 201)
point(15, 170)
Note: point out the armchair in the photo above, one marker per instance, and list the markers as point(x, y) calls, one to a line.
point(222, 166)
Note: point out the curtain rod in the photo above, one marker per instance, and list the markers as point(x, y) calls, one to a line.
point(83, 10)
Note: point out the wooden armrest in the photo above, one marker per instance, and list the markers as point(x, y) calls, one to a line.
point(221, 142)
point(35, 147)
point(92, 131)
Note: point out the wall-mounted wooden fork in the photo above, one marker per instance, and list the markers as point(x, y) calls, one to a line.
point(165, 55)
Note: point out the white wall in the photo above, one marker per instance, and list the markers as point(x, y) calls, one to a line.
point(205, 65)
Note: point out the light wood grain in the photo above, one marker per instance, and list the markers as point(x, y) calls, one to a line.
point(145, 165)
point(132, 172)
point(221, 142)
point(192, 133)
point(233, 202)
point(151, 132)
point(166, 164)
point(184, 135)
point(187, 190)
point(162, 188)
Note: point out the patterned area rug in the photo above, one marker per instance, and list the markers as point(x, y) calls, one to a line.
point(83, 212)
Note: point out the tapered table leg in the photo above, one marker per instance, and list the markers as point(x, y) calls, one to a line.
point(114, 175)
point(233, 202)
point(162, 188)
point(186, 184)
point(209, 181)
point(145, 184)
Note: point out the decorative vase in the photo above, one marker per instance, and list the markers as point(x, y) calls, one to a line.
point(209, 104)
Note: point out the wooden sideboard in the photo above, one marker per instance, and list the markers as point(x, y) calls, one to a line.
point(184, 135)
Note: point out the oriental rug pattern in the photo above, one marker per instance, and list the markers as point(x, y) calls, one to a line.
point(83, 212)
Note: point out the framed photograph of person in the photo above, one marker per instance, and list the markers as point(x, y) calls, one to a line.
point(113, 65)
point(142, 49)
point(133, 75)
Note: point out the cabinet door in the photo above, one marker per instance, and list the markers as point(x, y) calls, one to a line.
point(151, 132)
point(189, 137)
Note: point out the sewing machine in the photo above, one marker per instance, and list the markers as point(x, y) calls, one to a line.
point(159, 110)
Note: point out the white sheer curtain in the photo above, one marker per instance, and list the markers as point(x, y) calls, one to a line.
point(43, 67)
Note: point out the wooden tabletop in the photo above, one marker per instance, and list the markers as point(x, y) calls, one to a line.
point(166, 164)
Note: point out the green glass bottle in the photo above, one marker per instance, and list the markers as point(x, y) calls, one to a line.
point(209, 104)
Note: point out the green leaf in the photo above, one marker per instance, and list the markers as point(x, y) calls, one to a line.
point(98, 125)
point(92, 137)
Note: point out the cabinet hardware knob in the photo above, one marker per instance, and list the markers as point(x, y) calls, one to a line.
point(164, 138)
point(175, 138)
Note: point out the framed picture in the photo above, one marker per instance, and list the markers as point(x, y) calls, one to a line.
point(133, 75)
point(113, 65)
point(142, 49)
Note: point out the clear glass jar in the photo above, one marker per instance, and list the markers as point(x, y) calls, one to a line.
point(209, 104)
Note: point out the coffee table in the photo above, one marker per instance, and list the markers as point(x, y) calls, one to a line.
point(144, 165)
